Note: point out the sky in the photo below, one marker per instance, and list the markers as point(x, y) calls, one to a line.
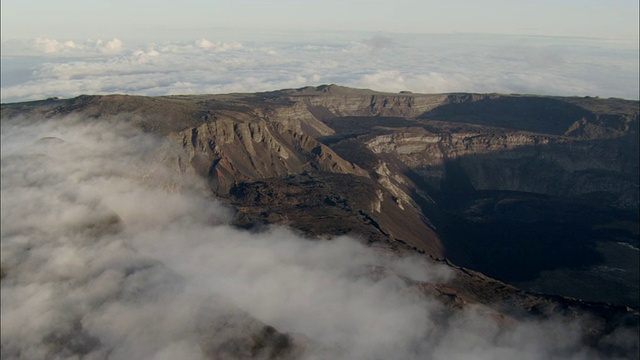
point(611, 19)
point(71, 47)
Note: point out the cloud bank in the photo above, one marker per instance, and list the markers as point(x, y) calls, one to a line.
point(107, 252)
point(419, 63)
point(53, 46)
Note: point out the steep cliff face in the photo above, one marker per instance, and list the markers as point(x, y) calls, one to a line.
point(582, 148)
point(517, 161)
point(296, 117)
point(230, 151)
point(332, 101)
point(586, 118)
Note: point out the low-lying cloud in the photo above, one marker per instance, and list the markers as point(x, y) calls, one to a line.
point(419, 63)
point(107, 252)
point(53, 46)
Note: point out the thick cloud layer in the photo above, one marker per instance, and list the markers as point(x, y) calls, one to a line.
point(421, 63)
point(109, 253)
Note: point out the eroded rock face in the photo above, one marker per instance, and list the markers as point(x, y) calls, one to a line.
point(228, 152)
point(517, 161)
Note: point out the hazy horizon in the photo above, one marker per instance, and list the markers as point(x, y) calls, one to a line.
point(47, 67)
point(73, 47)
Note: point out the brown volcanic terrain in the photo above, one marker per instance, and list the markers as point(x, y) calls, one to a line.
point(515, 187)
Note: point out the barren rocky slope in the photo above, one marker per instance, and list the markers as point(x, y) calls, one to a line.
point(508, 185)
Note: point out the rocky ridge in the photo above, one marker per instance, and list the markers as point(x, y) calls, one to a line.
point(407, 171)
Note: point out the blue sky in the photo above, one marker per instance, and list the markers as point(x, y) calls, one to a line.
point(71, 47)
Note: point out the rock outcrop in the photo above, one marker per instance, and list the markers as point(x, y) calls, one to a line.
point(231, 151)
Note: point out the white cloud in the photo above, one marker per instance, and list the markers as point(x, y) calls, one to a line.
point(51, 46)
point(219, 46)
point(419, 63)
point(111, 47)
point(108, 251)
point(68, 47)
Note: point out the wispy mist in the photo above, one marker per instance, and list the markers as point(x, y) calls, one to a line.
point(108, 252)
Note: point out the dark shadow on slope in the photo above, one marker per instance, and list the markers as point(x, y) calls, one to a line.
point(537, 114)
point(358, 125)
point(518, 236)
point(530, 216)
